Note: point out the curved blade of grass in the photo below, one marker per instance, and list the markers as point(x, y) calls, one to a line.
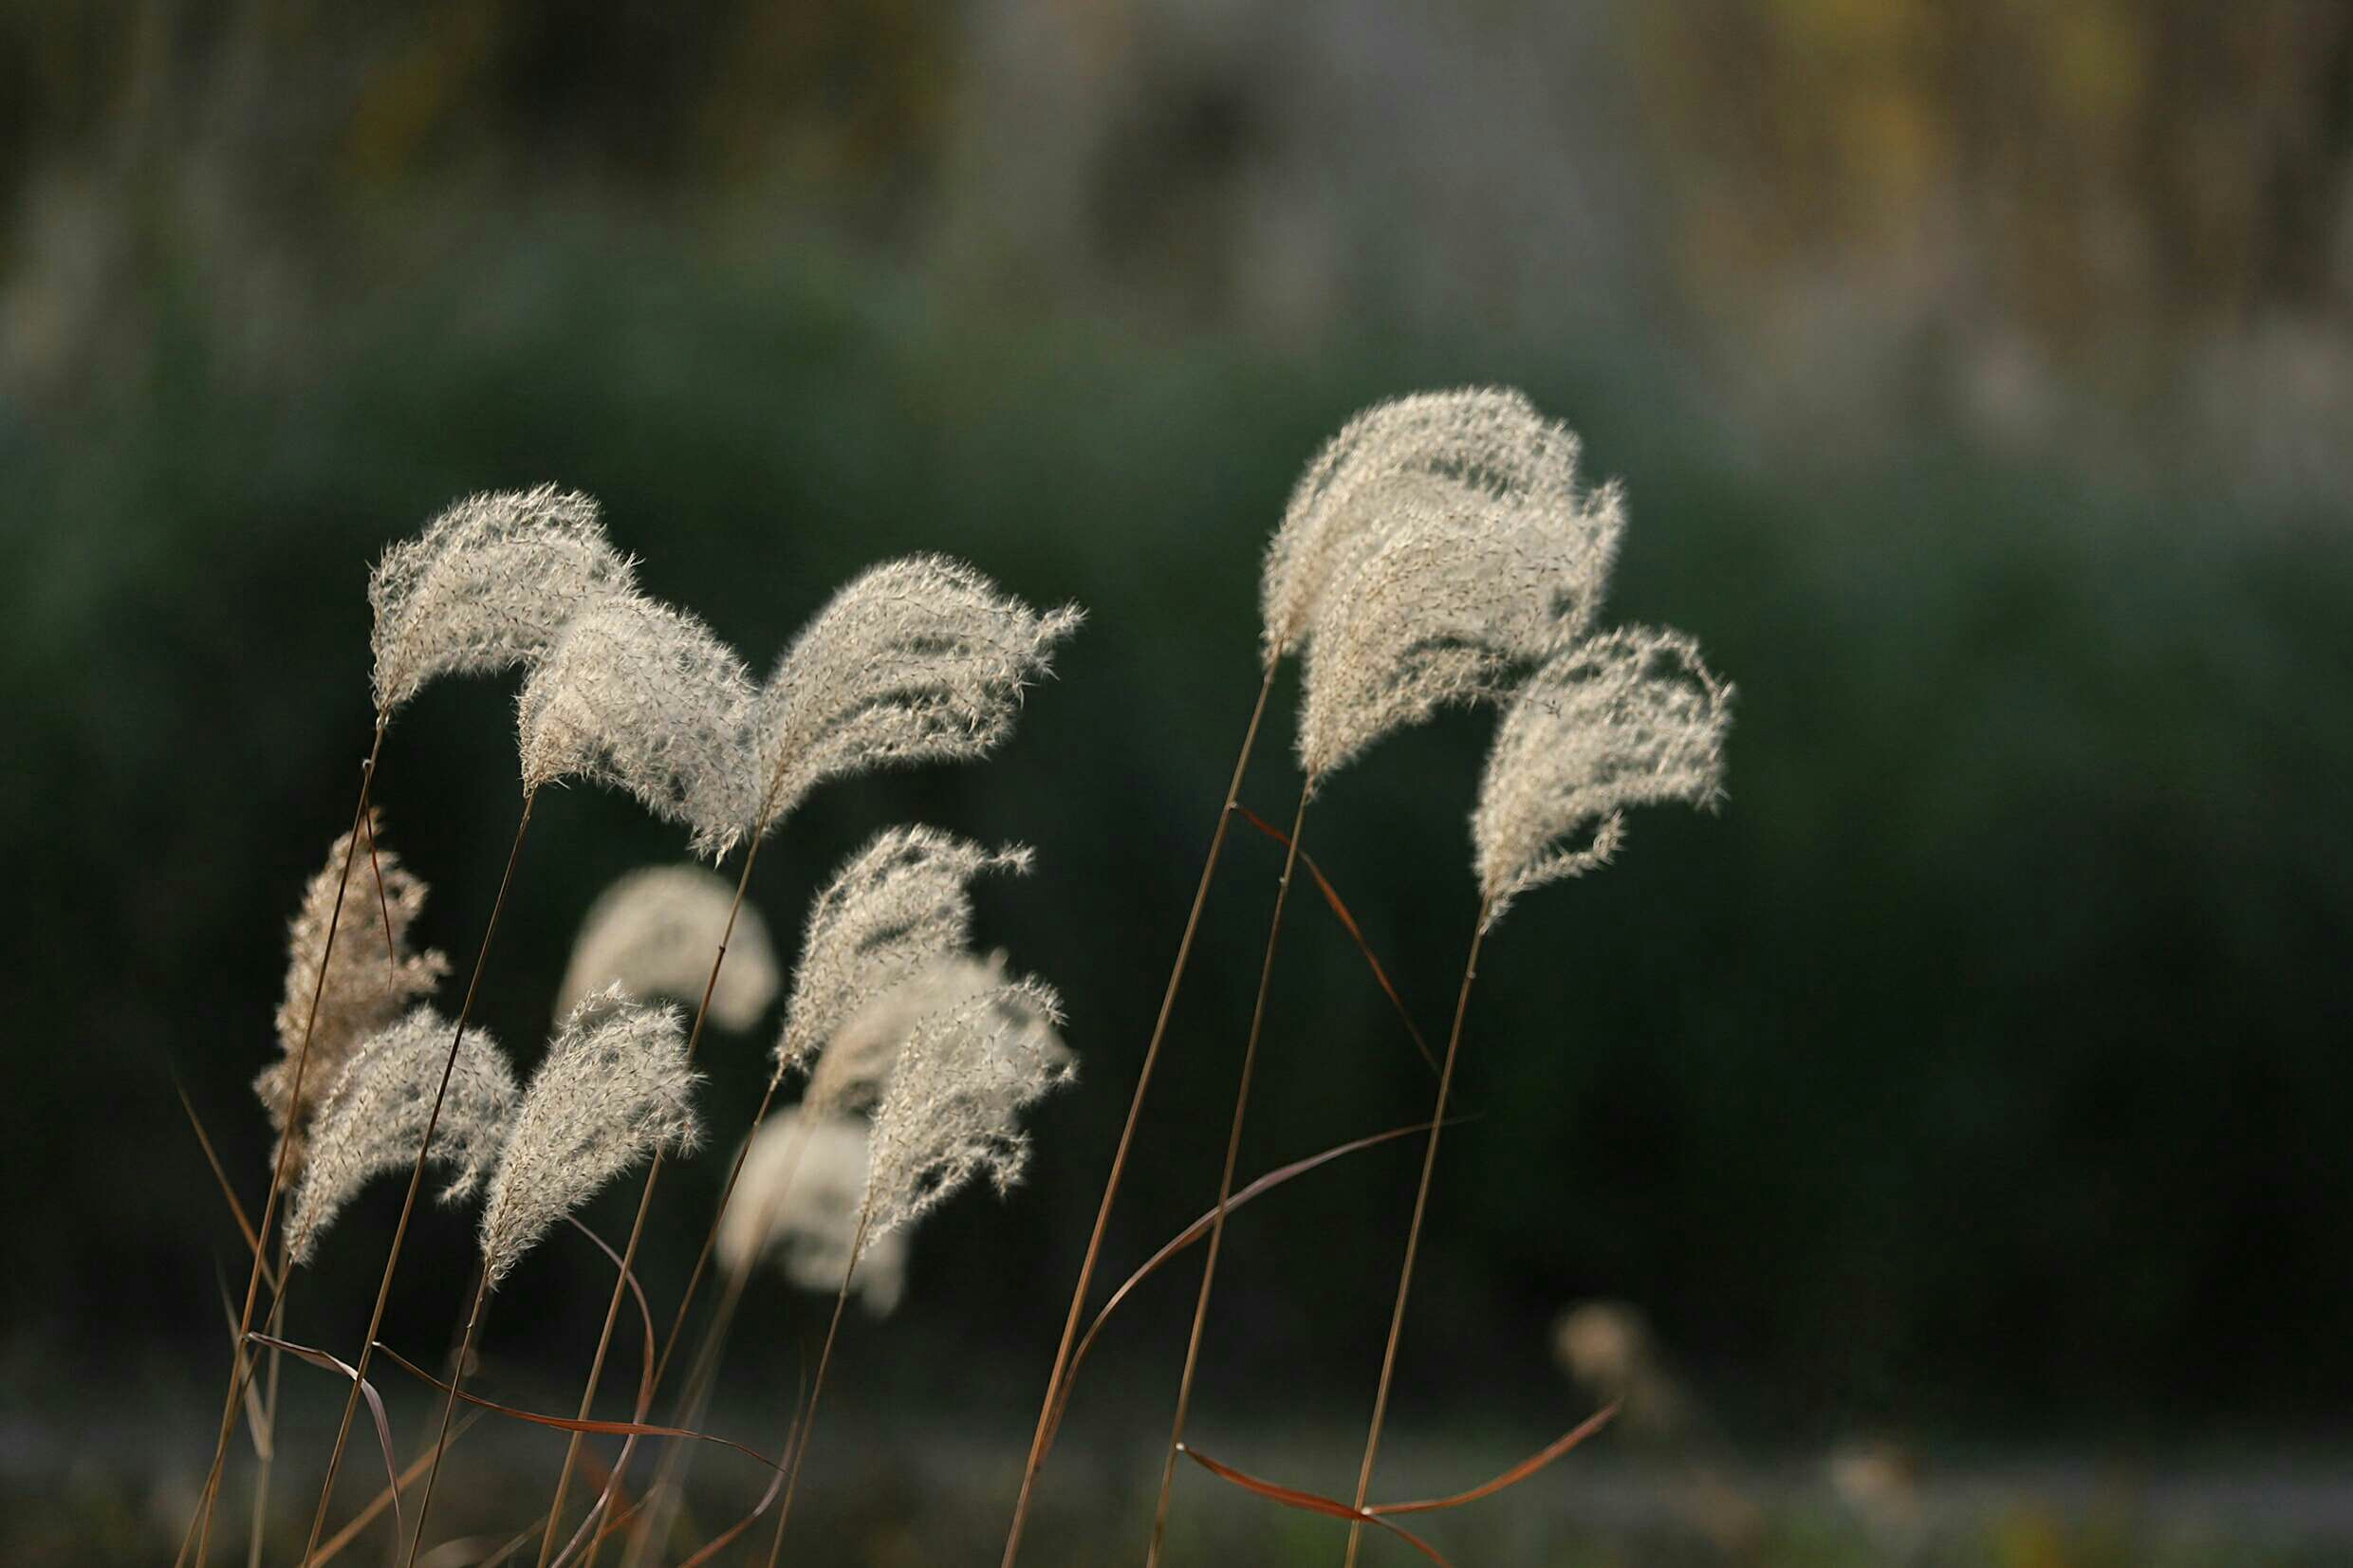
point(767, 1499)
point(228, 1193)
point(1193, 1233)
point(1313, 1503)
point(645, 1399)
point(1340, 908)
point(333, 1545)
point(374, 1402)
point(256, 1424)
point(1512, 1477)
point(571, 1424)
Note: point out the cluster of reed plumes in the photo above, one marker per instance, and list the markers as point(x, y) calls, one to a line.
point(1441, 550)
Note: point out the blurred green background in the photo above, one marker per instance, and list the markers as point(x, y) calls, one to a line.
point(1981, 376)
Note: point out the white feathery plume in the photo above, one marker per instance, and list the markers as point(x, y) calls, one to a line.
point(916, 660)
point(860, 1056)
point(654, 932)
point(950, 1111)
point(614, 1089)
point(643, 697)
point(1628, 718)
point(1489, 441)
point(371, 1122)
point(486, 586)
point(1458, 599)
point(896, 908)
point(366, 985)
point(805, 1175)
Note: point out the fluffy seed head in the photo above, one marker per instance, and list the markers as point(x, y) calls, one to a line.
point(860, 1056)
point(486, 586)
point(370, 1123)
point(614, 1089)
point(644, 698)
point(1628, 718)
point(366, 986)
point(1486, 440)
point(1455, 601)
point(950, 1111)
point(653, 933)
point(799, 1195)
point(917, 660)
point(897, 908)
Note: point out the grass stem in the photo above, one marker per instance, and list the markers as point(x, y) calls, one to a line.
point(637, 1230)
point(1225, 1188)
point(817, 1389)
point(417, 1180)
point(237, 1365)
point(1054, 1395)
point(1413, 1236)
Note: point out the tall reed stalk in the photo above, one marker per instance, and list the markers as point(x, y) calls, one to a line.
point(278, 1167)
point(637, 1228)
point(1127, 1130)
point(817, 1385)
point(1413, 1234)
point(1225, 1188)
point(408, 1205)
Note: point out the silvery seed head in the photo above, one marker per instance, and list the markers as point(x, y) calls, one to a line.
point(1487, 441)
point(368, 983)
point(642, 697)
point(1628, 718)
point(951, 1110)
point(486, 586)
point(857, 1057)
point(373, 1120)
point(1458, 599)
point(917, 660)
point(799, 1195)
point(614, 1089)
point(897, 908)
point(654, 931)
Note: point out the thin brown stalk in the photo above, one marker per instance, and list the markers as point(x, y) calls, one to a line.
point(825, 1359)
point(237, 1366)
point(1054, 1395)
point(1225, 1189)
point(655, 1514)
point(441, 1439)
point(260, 1525)
point(1413, 1236)
point(636, 1229)
point(417, 1180)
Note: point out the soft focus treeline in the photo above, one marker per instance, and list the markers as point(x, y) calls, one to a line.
point(1980, 375)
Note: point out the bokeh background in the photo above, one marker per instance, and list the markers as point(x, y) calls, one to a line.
point(1962, 1108)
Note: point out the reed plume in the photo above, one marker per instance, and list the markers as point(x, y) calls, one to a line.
point(653, 932)
point(1628, 717)
point(361, 987)
point(486, 586)
point(370, 1122)
point(797, 1198)
point(920, 659)
point(900, 907)
point(613, 1090)
point(641, 697)
point(1488, 440)
point(949, 1113)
